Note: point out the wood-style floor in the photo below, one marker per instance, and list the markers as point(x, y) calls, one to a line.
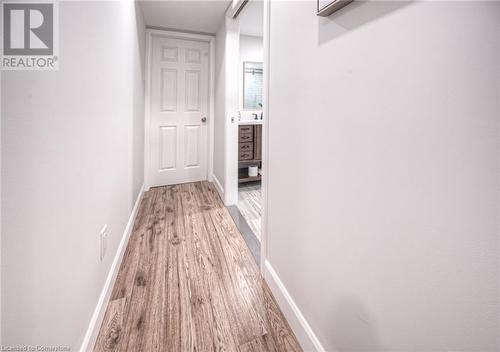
point(188, 282)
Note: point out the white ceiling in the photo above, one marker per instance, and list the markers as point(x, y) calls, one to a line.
point(188, 15)
point(252, 18)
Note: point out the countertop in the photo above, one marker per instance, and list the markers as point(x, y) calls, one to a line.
point(250, 122)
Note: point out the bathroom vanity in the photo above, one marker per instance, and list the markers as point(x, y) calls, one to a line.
point(249, 150)
point(250, 122)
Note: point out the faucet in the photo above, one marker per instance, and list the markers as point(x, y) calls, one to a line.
point(256, 116)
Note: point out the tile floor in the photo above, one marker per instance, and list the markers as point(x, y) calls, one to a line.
point(249, 205)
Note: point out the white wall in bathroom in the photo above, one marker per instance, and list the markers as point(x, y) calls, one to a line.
point(251, 49)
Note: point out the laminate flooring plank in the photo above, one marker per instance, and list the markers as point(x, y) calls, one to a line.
point(128, 267)
point(143, 281)
point(199, 267)
point(209, 313)
point(255, 345)
point(173, 282)
point(188, 283)
point(221, 329)
point(112, 328)
point(233, 241)
point(244, 316)
point(155, 338)
point(281, 332)
point(122, 289)
point(277, 335)
point(180, 328)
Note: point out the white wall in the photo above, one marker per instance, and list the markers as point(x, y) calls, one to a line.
point(72, 161)
point(1, 340)
point(251, 49)
point(220, 108)
point(384, 208)
point(139, 81)
point(226, 107)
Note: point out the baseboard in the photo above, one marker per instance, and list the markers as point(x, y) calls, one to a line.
point(96, 321)
point(293, 315)
point(218, 186)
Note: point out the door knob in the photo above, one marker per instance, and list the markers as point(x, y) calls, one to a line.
point(203, 119)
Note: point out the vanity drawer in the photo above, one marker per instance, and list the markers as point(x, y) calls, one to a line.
point(246, 155)
point(246, 128)
point(246, 147)
point(246, 137)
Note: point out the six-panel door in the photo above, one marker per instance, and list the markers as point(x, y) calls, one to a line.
point(178, 111)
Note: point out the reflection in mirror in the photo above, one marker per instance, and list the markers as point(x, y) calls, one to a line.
point(252, 85)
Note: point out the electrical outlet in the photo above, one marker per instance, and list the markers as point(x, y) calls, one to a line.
point(103, 236)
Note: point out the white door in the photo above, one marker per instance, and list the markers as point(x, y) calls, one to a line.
point(178, 111)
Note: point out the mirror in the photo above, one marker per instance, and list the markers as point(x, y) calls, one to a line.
point(252, 85)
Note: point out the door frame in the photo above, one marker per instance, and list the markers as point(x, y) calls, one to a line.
point(150, 34)
point(231, 164)
point(265, 136)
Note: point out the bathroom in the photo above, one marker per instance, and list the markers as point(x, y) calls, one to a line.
point(250, 122)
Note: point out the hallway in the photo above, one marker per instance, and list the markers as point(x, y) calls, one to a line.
point(188, 282)
point(366, 139)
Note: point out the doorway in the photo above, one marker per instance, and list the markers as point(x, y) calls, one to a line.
point(248, 167)
point(178, 108)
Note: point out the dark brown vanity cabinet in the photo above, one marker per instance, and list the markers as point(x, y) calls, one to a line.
point(258, 142)
point(249, 151)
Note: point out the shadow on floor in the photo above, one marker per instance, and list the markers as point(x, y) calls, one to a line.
point(249, 237)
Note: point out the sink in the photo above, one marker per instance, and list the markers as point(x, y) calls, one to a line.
point(247, 117)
